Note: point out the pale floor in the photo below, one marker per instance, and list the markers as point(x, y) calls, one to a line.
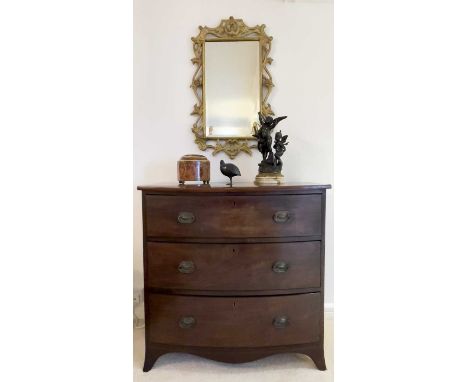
point(175, 367)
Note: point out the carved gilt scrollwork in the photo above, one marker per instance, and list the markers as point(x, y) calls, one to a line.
point(236, 30)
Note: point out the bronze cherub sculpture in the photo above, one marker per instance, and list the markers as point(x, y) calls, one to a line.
point(263, 135)
point(269, 169)
point(280, 148)
point(271, 162)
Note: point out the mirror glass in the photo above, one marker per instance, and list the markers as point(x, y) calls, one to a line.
point(232, 85)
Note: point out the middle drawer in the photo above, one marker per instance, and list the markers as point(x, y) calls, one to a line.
point(233, 267)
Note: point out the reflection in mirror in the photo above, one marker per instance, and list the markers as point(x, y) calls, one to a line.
point(232, 87)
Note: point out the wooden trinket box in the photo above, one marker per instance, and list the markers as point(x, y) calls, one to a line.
point(193, 167)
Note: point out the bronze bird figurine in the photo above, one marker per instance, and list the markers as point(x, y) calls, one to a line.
point(230, 170)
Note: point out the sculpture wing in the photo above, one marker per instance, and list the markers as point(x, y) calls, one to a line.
point(276, 121)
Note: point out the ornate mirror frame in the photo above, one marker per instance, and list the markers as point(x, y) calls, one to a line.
point(228, 30)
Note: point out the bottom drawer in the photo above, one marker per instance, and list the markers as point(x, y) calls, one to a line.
point(234, 321)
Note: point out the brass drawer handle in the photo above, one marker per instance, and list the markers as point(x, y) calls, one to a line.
point(187, 322)
point(280, 267)
point(186, 218)
point(186, 267)
point(281, 216)
point(280, 322)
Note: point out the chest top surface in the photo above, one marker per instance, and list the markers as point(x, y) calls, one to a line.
point(222, 188)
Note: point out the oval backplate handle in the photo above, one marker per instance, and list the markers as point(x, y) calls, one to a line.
point(187, 322)
point(280, 322)
point(280, 267)
point(186, 266)
point(186, 218)
point(281, 216)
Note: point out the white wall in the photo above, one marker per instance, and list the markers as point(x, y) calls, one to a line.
point(302, 72)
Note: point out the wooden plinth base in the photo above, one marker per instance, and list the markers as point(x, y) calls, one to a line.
point(268, 179)
point(232, 355)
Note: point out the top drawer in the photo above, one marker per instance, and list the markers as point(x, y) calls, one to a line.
point(229, 216)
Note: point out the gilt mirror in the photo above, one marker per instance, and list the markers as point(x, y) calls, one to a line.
point(231, 83)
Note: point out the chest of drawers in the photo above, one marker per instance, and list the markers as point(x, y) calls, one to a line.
point(234, 273)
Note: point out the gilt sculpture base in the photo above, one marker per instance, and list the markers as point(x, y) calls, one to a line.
point(269, 178)
point(231, 355)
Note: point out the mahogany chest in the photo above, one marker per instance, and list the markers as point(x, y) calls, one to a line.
point(234, 273)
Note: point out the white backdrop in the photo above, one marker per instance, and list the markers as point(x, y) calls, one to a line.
point(302, 71)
